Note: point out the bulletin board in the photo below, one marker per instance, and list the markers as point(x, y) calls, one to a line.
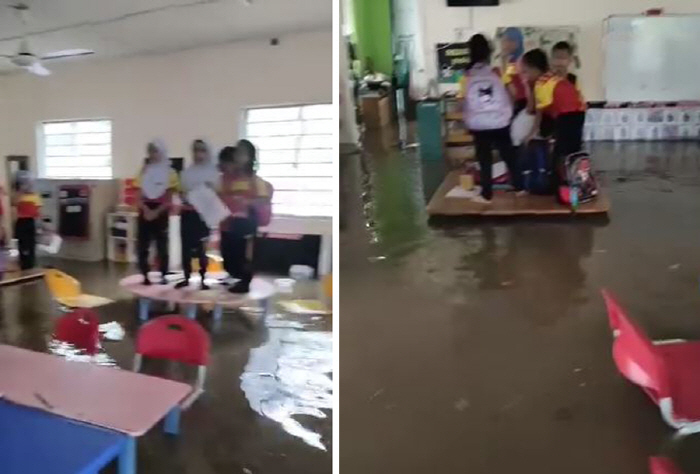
point(544, 38)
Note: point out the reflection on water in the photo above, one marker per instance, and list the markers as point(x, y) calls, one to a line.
point(70, 352)
point(290, 376)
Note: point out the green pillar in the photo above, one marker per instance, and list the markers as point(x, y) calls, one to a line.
point(373, 33)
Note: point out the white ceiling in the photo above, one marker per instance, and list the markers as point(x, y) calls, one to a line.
point(127, 27)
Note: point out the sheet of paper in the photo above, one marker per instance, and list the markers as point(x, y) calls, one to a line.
point(208, 205)
point(461, 193)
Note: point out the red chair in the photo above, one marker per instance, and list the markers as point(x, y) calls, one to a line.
point(79, 328)
point(176, 338)
point(668, 371)
point(659, 465)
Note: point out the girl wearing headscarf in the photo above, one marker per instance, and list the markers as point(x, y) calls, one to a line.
point(157, 183)
point(193, 231)
point(28, 206)
point(248, 198)
point(512, 49)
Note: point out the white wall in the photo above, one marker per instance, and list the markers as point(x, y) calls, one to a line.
point(177, 97)
point(441, 23)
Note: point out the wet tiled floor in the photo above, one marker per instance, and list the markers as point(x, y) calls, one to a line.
point(482, 346)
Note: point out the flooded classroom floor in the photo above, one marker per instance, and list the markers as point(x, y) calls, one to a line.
point(268, 392)
point(483, 346)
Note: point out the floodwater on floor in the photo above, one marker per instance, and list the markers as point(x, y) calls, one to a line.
point(266, 408)
point(482, 346)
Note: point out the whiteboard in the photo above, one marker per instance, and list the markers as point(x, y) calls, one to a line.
point(652, 58)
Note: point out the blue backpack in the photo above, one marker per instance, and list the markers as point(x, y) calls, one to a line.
point(536, 167)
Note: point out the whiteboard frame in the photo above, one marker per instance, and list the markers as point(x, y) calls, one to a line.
point(606, 30)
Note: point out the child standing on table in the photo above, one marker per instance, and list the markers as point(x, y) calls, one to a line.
point(194, 232)
point(488, 111)
point(157, 183)
point(28, 206)
point(245, 195)
point(558, 100)
point(512, 41)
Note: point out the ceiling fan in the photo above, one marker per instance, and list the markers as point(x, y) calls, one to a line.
point(29, 61)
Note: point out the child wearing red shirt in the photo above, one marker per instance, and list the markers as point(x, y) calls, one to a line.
point(559, 100)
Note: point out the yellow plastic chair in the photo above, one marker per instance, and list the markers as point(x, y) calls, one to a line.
point(216, 264)
point(327, 284)
point(66, 291)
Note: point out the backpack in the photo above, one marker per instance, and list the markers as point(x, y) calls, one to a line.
point(487, 105)
point(536, 167)
point(582, 186)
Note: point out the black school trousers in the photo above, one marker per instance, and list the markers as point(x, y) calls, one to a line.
point(193, 234)
point(568, 139)
point(149, 231)
point(485, 141)
point(237, 240)
point(25, 232)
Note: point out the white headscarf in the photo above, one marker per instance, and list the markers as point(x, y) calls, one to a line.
point(155, 177)
point(200, 174)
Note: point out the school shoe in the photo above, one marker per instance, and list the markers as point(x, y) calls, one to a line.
point(182, 284)
point(146, 281)
point(521, 193)
point(240, 287)
point(481, 200)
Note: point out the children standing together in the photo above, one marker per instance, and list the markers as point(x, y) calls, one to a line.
point(247, 197)
point(493, 97)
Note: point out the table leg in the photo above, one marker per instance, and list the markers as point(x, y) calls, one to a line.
point(217, 313)
point(144, 305)
point(191, 311)
point(172, 421)
point(127, 458)
point(266, 306)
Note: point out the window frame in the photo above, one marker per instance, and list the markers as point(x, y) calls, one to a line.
point(41, 147)
point(291, 222)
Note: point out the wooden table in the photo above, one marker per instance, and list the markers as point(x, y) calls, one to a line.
point(191, 296)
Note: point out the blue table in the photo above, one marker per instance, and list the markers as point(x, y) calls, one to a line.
point(37, 442)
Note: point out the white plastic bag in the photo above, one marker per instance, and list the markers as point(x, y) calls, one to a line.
point(208, 205)
point(521, 127)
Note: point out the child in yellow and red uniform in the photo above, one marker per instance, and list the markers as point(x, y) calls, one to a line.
point(157, 183)
point(244, 193)
point(559, 100)
point(28, 206)
point(512, 41)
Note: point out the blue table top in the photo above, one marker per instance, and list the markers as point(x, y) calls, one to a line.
point(37, 442)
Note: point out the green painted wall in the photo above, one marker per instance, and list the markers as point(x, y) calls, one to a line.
point(373, 33)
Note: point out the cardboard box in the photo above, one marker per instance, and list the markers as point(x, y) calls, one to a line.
point(376, 111)
point(640, 116)
point(687, 132)
point(622, 133)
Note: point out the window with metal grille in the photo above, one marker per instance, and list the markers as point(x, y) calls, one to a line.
point(295, 154)
point(76, 149)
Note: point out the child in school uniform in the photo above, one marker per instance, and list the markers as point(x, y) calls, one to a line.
point(488, 111)
point(157, 183)
point(194, 232)
point(28, 206)
point(562, 58)
point(512, 43)
point(246, 195)
point(559, 100)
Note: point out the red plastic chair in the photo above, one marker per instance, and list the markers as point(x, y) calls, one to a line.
point(176, 338)
point(79, 328)
point(668, 371)
point(659, 465)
